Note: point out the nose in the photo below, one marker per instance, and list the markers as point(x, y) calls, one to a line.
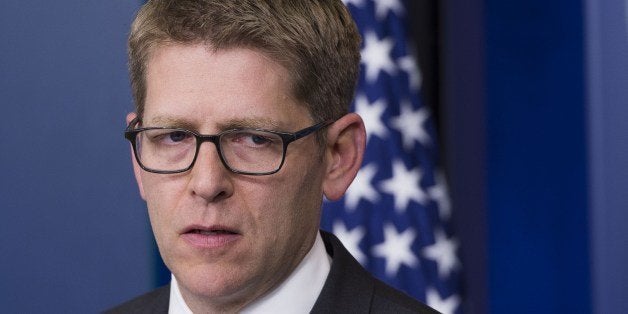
point(209, 179)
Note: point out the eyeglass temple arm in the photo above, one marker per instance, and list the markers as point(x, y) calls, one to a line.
point(311, 129)
point(132, 123)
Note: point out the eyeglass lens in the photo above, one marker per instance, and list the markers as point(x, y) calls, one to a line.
point(250, 151)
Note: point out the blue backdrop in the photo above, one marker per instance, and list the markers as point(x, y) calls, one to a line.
point(535, 135)
point(536, 148)
point(73, 233)
point(607, 99)
point(534, 109)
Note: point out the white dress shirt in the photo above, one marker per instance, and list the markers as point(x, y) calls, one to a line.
point(297, 294)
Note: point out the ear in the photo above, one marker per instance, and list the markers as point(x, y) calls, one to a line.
point(346, 141)
point(137, 170)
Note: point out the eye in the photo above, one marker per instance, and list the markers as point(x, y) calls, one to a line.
point(253, 139)
point(177, 136)
point(258, 139)
point(168, 136)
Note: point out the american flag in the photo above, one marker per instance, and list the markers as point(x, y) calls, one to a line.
point(395, 217)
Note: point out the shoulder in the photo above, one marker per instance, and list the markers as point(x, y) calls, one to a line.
point(350, 288)
point(156, 301)
point(387, 299)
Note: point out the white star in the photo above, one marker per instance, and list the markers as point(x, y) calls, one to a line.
point(440, 194)
point(408, 65)
point(362, 187)
point(445, 306)
point(372, 113)
point(351, 239)
point(396, 249)
point(376, 56)
point(383, 6)
point(404, 186)
point(443, 252)
point(357, 3)
point(411, 125)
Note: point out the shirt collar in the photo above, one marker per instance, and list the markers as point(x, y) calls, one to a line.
point(177, 304)
point(297, 294)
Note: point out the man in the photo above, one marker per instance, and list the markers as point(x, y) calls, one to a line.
point(269, 84)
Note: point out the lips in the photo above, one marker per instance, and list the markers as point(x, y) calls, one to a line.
point(210, 237)
point(211, 232)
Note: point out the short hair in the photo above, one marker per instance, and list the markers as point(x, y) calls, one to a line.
point(317, 41)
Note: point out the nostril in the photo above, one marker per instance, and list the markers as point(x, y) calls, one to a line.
point(220, 196)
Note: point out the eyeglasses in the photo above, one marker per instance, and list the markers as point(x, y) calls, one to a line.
point(243, 151)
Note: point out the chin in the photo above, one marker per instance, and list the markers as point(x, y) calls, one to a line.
point(211, 282)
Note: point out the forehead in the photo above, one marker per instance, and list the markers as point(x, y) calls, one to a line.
point(194, 82)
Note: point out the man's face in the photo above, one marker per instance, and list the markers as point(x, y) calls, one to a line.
point(228, 238)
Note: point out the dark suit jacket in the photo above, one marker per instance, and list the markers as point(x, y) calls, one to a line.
point(349, 288)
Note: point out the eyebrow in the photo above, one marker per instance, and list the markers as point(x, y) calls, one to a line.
point(169, 122)
point(249, 123)
point(239, 123)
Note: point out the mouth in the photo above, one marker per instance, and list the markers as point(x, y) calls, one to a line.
point(211, 232)
point(210, 237)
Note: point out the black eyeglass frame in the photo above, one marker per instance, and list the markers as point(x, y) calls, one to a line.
point(131, 134)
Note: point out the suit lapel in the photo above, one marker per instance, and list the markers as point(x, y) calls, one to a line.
point(348, 288)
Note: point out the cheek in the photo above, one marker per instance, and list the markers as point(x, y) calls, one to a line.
point(292, 205)
point(160, 187)
point(162, 195)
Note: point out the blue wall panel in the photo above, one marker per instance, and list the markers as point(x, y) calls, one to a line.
point(463, 121)
point(73, 231)
point(536, 158)
point(607, 77)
